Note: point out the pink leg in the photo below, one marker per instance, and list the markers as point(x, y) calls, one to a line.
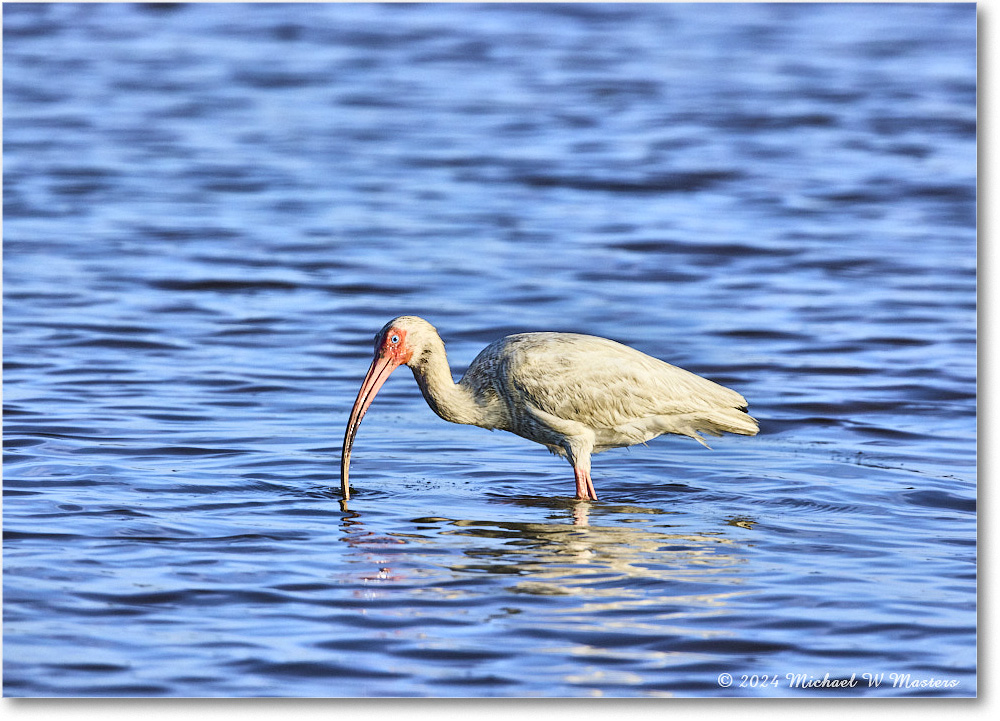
point(584, 486)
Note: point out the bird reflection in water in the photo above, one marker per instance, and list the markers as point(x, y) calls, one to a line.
point(574, 557)
point(566, 551)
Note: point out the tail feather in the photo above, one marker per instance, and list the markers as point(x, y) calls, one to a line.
point(714, 422)
point(730, 420)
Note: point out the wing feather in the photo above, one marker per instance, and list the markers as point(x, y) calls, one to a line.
point(622, 394)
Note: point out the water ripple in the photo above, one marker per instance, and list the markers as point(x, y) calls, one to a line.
point(211, 209)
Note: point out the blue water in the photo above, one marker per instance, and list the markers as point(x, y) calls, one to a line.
point(209, 210)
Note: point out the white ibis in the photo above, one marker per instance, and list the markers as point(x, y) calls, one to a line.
point(574, 394)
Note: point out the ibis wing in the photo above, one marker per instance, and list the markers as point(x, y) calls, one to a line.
point(605, 384)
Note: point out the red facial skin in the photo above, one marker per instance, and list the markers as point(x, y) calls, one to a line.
point(400, 352)
point(391, 351)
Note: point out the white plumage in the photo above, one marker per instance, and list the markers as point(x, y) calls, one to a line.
point(575, 394)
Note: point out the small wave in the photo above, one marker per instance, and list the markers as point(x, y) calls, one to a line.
point(311, 669)
point(655, 183)
point(125, 344)
point(941, 500)
point(220, 285)
point(159, 451)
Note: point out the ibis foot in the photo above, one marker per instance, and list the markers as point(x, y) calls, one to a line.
point(584, 486)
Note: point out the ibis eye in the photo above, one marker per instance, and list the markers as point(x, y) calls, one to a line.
point(394, 339)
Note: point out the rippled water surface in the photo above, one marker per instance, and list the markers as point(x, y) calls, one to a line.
point(209, 211)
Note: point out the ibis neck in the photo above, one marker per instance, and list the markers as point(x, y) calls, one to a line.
point(451, 401)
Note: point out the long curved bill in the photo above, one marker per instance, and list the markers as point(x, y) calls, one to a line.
point(379, 371)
